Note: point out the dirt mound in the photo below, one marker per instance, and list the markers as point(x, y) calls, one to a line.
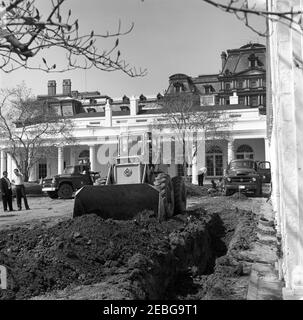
point(240, 196)
point(86, 250)
point(196, 191)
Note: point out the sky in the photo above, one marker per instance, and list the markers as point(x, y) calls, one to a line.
point(169, 36)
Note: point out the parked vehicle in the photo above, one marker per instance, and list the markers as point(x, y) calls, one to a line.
point(246, 175)
point(73, 178)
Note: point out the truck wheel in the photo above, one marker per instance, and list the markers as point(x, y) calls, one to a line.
point(227, 192)
point(179, 195)
point(258, 192)
point(53, 194)
point(65, 191)
point(164, 185)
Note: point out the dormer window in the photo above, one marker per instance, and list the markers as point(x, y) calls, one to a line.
point(253, 60)
point(159, 96)
point(209, 89)
point(125, 99)
point(227, 72)
point(142, 98)
point(92, 101)
point(179, 87)
point(124, 108)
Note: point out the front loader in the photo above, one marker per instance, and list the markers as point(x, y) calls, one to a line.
point(130, 188)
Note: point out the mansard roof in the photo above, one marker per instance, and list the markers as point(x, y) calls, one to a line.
point(238, 60)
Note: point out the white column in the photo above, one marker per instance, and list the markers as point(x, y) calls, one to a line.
point(230, 150)
point(3, 161)
point(108, 114)
point(267, 152)
point(201, 149)
point(194, 173)
point(72, 159)
point(32, 173)
point(92, 158)
point(60, 160)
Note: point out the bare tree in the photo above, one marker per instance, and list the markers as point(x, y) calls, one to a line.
point(245, 9)
point(27, 127)
point(181, 112)
point(25, 33)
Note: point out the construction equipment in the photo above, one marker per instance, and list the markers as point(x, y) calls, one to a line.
point(131, 187)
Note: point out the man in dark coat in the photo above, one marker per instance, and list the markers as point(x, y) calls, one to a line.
point(6, 190)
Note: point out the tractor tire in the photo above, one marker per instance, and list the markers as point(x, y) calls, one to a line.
point(227, 192)
point(164, 185)
point(65, 191)
point(53, 194)
point(179, 195)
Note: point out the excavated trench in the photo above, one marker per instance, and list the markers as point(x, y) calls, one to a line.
point(193, 256)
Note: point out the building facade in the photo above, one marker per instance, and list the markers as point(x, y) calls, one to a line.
point(238, 89)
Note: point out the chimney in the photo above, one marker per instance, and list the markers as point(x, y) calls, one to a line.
point(133, 106)
point(51, 87)
point(223, 59)
point(108, 113)
point(67, 87)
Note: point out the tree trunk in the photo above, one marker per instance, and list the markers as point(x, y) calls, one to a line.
point(26, 170)
point(184, 157)
point(26, 176)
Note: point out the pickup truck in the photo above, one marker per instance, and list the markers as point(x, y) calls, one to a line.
point(73, 178)
point(246, 175)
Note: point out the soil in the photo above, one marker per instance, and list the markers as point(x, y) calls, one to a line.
point(92, 258)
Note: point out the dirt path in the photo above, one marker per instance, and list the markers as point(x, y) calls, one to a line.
point(43, 210)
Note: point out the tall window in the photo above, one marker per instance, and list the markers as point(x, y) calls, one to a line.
point(245, 152)
point(254, 101)
point(214, 161)
point(242, 100)
point(42, 170)
point(241, 84)
point(227, 86)
point(254, 83)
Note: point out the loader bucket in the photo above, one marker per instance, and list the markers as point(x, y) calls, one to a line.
point(119, 202)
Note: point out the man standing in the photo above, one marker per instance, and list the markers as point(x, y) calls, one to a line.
point(201, 173)
point(20, 190)
point(6, 190)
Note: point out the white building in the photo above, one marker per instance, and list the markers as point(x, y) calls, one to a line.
point(239, 89)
